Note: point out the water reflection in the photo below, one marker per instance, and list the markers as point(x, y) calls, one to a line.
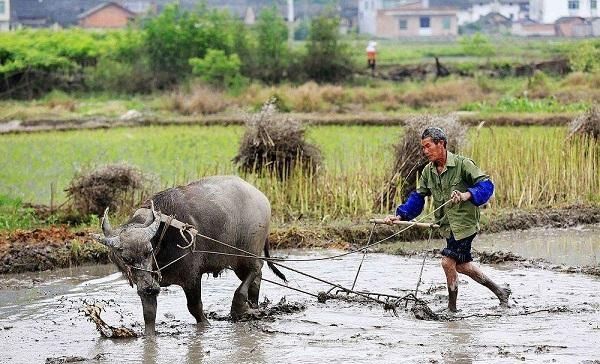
point(459, 335)
point(150, 350)
point(196, 352)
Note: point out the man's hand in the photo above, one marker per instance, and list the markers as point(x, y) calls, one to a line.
point(458, 196)
point(390, 219)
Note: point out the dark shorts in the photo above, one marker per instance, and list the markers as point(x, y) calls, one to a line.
point(459, 250)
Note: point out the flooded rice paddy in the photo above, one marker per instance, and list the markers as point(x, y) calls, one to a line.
point(41, 319)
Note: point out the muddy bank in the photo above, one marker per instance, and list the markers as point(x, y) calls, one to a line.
point(470, 118)
point(422, 71)
point(59, 247)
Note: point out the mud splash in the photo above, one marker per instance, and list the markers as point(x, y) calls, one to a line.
point(265, 311)
point(93, 311)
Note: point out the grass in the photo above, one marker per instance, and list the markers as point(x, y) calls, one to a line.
point(510, 49)
point(531, 166)
point(13, 215)
point(538, 94)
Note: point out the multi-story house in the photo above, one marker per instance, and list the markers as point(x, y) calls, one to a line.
point(406, 18)
point(4, 15)
point(511, 9)
point(549, 11)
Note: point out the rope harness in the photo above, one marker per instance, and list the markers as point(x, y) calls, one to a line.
point(189, 234)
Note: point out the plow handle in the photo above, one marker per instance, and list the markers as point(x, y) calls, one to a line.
point(406, 223)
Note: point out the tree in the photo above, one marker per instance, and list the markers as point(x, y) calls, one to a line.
point(272, 34)
point(218, 69)
point(327, 58)
point(175, 36)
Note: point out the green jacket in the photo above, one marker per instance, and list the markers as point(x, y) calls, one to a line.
point(460, 173)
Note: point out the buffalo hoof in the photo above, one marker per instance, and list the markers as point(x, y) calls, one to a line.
point(249, 314)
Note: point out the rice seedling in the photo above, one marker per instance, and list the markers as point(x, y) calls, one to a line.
point(531, 166)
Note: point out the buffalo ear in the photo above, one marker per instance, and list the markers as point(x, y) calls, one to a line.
point(112, 242)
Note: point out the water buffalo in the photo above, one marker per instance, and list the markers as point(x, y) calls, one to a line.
point(225, 208)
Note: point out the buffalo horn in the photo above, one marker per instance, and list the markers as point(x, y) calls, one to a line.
point(152, 228)
point(106, 228)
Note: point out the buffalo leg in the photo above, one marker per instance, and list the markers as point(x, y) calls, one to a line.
point(194, 304)
point(254, 290)
point(149, 308)
point(239, 305)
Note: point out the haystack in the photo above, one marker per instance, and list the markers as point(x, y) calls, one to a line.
point(587, 123)
point(276, 143)
point(410, 161)
point(113, 186)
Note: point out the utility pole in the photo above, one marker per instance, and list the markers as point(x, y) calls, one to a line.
point(290, 16)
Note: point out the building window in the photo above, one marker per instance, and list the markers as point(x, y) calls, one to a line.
point(573, 4)
point(366, 5)
point(446, 21)
point(402, 24)
point(2, 7)
point(424, 22)
point(594, 4)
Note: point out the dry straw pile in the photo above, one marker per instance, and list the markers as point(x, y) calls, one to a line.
point(410, 161)
point(114, 186)
point(588, 123)
point(276, 143)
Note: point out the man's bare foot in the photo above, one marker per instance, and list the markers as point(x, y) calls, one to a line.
point(503, 295)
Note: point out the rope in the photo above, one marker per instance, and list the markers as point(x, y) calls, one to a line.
point(186, 228)
point(275, 259)
point(363, 257)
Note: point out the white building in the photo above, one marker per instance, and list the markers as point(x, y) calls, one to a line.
point(4, 15)
point(548, 11)
point(367, 12)
point(511, 9)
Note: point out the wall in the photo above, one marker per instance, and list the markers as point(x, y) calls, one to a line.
point(108, 17)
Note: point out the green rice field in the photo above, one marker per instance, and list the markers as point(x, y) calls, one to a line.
point(531, 166)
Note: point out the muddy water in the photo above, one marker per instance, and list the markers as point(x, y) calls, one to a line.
point(40, 318)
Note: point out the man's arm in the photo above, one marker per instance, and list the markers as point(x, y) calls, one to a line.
point(412, 207)
point(481, 192)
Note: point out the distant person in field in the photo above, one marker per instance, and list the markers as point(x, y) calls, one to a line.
point(371, 54)
point(452, 176)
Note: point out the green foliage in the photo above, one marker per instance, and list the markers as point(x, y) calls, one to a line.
point(327, 58)
point(585, 57)
point(119, 76)
point(539, 81)
point(302, 30)
point(218, 69)
point(14, 216)
point(524, 104)
point(272, 52)
point(175, 36)
point(477, 45)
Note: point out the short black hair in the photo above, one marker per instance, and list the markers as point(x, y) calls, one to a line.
point(436, 134)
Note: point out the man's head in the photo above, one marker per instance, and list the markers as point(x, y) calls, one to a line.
point(433, 143)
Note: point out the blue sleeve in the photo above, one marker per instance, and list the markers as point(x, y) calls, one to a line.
point(481, 192)
point(412, 207)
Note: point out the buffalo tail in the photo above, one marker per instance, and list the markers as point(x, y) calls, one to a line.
point(271, 265)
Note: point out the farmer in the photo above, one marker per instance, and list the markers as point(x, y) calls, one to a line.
point(451, 176)
point(371, 53)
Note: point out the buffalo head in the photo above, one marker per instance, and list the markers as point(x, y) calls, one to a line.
point(131, 250)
